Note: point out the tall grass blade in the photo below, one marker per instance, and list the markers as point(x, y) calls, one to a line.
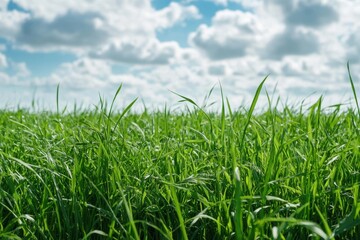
point(129, 214)
point(353, 88)
point(186, 99)
point(113, 101)
point(325, 223)
point(250, 113)
point(174, 197)
point(127, 109)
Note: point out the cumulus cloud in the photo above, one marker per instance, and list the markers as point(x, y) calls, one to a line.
point(129, 16)
point(13, 73)
point(119, 31)
point(175, 13)
point(271, 30)
point(232, 34)
point(139, 52)
point(353, 47)
point(83, 73)
point(10, 23)
point(90, 77)
point(292, 42)
point(312, 15)
point(69, 30)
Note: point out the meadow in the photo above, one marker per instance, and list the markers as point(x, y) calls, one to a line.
point(104, 174)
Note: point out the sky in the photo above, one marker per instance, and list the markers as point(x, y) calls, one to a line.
point(157, 47)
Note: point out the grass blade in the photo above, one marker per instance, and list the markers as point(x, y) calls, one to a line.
point(353, 88)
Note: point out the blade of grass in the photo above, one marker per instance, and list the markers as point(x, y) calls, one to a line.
point(236, 178)
point(249, 115)
point(353, 88)
point(176, 202)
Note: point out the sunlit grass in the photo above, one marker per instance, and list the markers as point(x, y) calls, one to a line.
point(289, 174)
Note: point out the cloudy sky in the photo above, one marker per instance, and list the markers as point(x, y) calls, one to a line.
point(154, 47)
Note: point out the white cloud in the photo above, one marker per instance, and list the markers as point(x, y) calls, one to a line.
point(312, 14)
point(293, 41)
point(177, 78)
point(86, 78)
point(10, 23)
point(353, 50)
point(83, 73)
point(120, 31)
point(4, 78)
point(232, 34)
point(277, 29)
point(217, 70)
point(347, 34)
point(129, 17)
point(139, 51)
point(21, 70)
point(13, 73)
point(3, 61)
point(72, 30)
point(49, 10)
point(175, 13)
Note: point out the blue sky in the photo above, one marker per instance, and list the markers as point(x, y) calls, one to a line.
point(154, 47)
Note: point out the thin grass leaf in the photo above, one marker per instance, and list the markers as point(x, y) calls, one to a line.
point(129, 214)
point(113, 100)
point(186, 99)
point(127, 109)
point(250, 113)
point(324, 222)
point(353, 88)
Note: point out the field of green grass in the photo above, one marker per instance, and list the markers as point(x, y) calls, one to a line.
point(101, 174)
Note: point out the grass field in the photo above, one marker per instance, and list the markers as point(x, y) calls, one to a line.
point(289, 174)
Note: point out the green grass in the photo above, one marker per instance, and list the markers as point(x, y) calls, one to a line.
point(289, 174)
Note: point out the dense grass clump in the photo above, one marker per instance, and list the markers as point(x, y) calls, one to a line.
point(289, 174)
